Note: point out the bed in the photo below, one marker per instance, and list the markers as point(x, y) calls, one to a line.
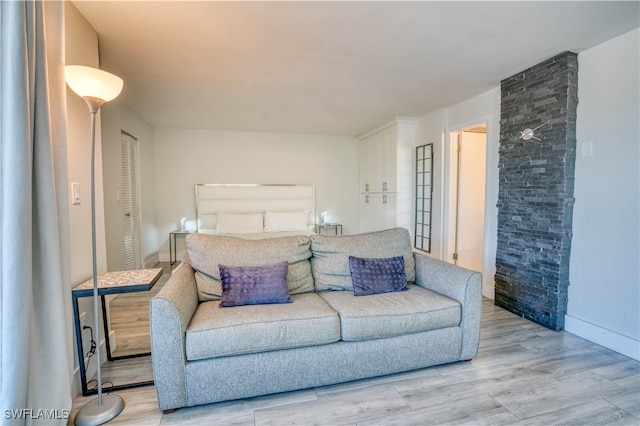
point(255, 210)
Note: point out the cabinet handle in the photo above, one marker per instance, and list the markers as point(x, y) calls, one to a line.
point(384, 199)
point(366, 187)
point(384, 186)
point(366, 199)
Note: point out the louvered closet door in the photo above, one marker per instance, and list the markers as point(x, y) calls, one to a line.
point(130, 205)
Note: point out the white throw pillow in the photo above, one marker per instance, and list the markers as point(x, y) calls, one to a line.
point(239, 223)
point(286, 221)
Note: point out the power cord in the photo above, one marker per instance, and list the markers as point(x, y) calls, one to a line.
point(94, 382)
point(91, 352)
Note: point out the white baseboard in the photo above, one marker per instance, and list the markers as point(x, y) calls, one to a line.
point(609, 339)
point(152, 260)
point(112, 340)
point(489, 290)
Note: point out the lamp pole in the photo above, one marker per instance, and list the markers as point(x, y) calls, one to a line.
point(94, 256)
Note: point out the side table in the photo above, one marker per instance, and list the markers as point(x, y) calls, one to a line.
point(110, 283)
point(328, 229)
point(172, 244)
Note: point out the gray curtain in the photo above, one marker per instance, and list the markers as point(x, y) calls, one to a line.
point(35, 296)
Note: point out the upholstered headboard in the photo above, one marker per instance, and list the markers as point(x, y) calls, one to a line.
point(212, 199)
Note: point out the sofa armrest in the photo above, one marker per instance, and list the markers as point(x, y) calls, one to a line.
point(170, 313)
point(460, 284)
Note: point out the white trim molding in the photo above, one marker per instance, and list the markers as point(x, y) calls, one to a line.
point(620, 343)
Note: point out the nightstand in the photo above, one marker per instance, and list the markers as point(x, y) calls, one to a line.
point(328, 229)
point(172, 244)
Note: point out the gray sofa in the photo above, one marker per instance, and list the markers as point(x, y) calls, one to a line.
point(203, 353)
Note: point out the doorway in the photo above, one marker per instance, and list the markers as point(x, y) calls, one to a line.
point(467, 196)
point(130, 202)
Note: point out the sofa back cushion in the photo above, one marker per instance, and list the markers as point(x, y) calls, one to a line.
point(206, 252)
point(330, 261)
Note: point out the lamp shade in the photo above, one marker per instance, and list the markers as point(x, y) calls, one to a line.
point(93, 82)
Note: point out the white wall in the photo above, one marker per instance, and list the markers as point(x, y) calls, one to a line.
point(604, 296)
point(81, 48)
point(116, 117)
point(184, 158)
point(436, 128)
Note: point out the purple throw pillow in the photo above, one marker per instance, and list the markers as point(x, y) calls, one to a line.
point(373, 276)
point(254, 285)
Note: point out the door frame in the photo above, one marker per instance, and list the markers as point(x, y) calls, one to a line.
point(137, 211)
point(450, 189)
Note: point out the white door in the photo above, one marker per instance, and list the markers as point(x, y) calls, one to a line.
point(469, 235)
point(130, 202)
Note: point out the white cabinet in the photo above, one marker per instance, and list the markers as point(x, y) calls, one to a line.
point(378, 157)
point(378, 211)
point(386, 176)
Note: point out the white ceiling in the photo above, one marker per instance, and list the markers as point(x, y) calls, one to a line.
point(329, 67)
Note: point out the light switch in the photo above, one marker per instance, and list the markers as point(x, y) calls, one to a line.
point(75, 193)
point(587, 150)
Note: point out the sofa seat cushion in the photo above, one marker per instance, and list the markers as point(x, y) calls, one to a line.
point(392, 314)
point(218, 332)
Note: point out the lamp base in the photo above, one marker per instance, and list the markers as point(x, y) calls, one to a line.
point(92, 414)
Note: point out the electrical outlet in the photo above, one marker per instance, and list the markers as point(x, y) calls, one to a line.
point(83, 318)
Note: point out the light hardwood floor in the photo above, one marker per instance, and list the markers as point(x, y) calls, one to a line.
point(523, 375)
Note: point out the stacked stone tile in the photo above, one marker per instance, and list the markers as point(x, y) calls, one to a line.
point(535, 200)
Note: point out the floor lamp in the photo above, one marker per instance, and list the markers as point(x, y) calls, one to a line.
point(96, 87)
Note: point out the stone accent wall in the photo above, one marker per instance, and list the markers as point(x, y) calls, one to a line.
point(535, 199)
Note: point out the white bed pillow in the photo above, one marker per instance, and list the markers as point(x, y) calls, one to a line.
point(239, 223)
point(286, 221)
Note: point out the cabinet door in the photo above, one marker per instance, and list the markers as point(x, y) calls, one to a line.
point(381, 165)
point(378, 211)
point(404, 161)
point(387, 211)
point(388, 156)
point(369, 165)
point(369, 204)
point(365, 168)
